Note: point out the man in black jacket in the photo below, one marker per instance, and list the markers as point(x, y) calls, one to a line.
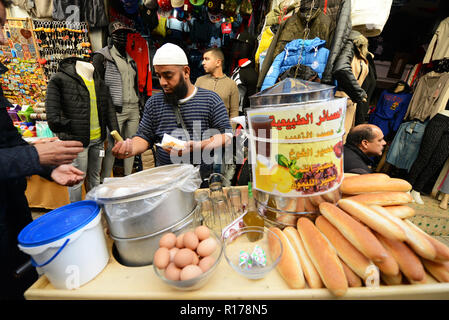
point(363, 141)
point(19, 159)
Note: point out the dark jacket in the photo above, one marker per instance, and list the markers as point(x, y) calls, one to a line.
point(18, 159)
point(343, 72)
point(369, 85)
point(333, 26)
point(68, 104)
point(245, 76)
point(355, 161)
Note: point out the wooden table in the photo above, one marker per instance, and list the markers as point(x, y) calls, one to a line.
point(121, 282)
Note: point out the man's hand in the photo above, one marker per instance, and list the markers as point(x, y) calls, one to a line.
point(67, 175)
point(189, 147)
point(123, 149)
point(59, 152)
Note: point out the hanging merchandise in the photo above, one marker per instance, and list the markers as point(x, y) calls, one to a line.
point(60, 39)
point(24, 80)
point(370, 17)
point(68, 10)
point(438, 48)
point(137, 48)
point(95, 13)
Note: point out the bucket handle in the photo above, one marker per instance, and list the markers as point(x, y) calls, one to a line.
point(51, 259)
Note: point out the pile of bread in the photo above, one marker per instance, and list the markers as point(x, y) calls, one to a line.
point(364, 239)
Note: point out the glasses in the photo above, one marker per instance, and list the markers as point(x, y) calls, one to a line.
point(235, 201)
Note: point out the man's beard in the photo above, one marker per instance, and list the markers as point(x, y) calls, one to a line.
point(179, 92)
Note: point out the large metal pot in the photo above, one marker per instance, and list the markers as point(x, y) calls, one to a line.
point(139, 251)
point(149, 201)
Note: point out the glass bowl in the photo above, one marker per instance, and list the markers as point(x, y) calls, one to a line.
point(239, 241)
point(200, 281)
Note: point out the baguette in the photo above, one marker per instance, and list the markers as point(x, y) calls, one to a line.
point(332, 196)
point(402, 212)
point(408, 262)
point(415, 239)
point(442, 251)
point(372, 219)
point(289, 266)
point(439, 270)
point(356, 233)
point(392, 280)
point(428, 279)
point(308, 206)
point(353, 279)
point(375, 182)
point(388, 266)
point(323, 257)
point(300, 204)
point(311, 274)
point(345, 250)
point(383, 198)
point(316, 200)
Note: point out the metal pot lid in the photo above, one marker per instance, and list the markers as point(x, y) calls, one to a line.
point(151, 182)
point(291, 90)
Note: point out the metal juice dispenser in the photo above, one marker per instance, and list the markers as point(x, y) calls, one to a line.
point(295, 137)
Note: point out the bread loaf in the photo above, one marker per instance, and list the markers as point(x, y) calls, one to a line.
point(383, 198)
point(323, 257)
point(440, 270)
point(356, 233)
point(345, 250)
point(375, 182)
point(388, 266)
point(442, 251)
point(332, 196)
point(289, 266)
point(311, 274)
point(428, 279)
point(415, 239)
point(372, 219)
point(402, 212)
point(392, 280)
point(408, 262)
point(316, 200)
point(353, 279)
point(300, 204)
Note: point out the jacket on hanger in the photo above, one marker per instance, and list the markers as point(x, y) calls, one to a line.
point(108, 70)
point(68, 104)
point(245, 76)
point(438, 48)
point(311, 53)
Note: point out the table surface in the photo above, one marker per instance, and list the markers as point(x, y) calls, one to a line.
point(117, 281)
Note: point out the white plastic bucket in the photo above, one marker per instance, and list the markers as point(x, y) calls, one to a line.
point(69, 250)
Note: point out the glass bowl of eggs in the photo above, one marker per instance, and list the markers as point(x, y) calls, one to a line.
point(253, 251)
point(188, 260)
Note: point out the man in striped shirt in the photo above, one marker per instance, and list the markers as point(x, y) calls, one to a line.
point(201, 112)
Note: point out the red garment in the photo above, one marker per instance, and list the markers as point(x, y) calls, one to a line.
point(137, 48)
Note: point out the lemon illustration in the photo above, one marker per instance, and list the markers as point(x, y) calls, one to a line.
point(282, 178)
point(263, 177)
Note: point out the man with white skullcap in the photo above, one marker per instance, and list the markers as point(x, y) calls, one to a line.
point(195, 115)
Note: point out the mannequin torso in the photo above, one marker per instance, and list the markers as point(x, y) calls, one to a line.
point(85, 70)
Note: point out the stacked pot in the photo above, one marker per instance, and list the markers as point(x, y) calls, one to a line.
point(141, 207)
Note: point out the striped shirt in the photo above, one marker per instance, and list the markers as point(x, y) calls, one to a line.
point(204, 115)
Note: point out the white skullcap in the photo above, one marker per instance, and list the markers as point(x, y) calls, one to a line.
point(170, 54)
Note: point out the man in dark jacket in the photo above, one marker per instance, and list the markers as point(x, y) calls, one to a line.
point(363, 141)
point(19, 159)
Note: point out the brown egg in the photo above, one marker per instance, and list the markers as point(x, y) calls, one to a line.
point(202, 232)
point(168, 240)
point(191, 240)
point(161, 258)
point(190, 272)
point(206, 247)
point(206, 263)
point(180, 241)
point(173, 252)
point(172, 272)
point(184, 257)
point(196, 260)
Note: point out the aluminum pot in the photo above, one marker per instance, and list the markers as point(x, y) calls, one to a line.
point(139, 251)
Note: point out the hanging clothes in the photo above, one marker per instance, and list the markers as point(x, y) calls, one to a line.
point(390, 111)
point(405, 146)
point(433, 152)
point(311, 53)
point(430, 96)
point(137, 48)
point(439, 47)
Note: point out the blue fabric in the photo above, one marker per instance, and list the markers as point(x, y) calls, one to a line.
point(405, 146)
point(313, 55)
point(390, 111)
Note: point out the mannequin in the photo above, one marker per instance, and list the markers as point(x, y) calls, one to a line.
point(421, 169)
point(119, 71)
point(78, 108)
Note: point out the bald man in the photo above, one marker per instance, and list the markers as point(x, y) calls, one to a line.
point(363, 141)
